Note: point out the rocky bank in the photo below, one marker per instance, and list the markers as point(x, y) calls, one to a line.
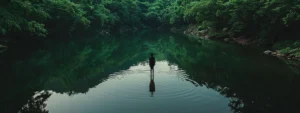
point(224, 35)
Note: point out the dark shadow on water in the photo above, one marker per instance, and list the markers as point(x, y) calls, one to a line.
point(152, 84)
point(152, 64)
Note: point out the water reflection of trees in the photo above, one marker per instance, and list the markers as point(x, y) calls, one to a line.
point(76, 66)
point(23, 97)
point(250, 82)
point(249, 91)
point(36, 104)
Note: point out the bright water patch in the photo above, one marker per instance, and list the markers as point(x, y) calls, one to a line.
point(111, 75)
point(127, 91)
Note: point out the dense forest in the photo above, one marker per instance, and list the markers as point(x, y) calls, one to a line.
point(263, 20)
point(75, 66)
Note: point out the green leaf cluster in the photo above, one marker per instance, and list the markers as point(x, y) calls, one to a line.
point(256, 18)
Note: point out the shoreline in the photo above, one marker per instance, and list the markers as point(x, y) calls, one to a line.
point(293, 61)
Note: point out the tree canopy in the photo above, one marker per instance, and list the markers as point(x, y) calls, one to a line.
point(254, 18)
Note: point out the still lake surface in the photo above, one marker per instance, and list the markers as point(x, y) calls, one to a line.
point(111, 74)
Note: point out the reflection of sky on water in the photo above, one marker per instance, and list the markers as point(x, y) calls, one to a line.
point(128, 91)
point(111, 74)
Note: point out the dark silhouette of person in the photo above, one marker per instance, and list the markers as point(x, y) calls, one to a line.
point(152, 64)
point(151, 61)
point(152, 84)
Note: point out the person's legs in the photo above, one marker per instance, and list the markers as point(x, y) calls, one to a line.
point(151, 74)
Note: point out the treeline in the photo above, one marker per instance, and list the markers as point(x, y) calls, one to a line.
point(266, 19)
point(43, 17)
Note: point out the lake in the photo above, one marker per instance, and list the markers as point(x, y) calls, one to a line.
point(111, 74)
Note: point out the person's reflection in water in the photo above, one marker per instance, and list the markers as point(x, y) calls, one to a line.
point(152, 64)
point(152, 84)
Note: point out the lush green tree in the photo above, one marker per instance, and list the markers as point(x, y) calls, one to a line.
point(23, 16)
point(252, 18)
point(261, 19)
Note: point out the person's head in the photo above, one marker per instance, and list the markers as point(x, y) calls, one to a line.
point(151, 54)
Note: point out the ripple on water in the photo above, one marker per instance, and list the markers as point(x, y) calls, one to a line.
point(170, 83)
point(129, 89)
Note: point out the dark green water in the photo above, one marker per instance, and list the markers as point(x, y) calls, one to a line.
point(111, 75)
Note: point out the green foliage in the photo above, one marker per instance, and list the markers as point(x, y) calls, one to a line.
point(288, 47)
point(101, 14)
point(285, 50)
point(25, 16)
point(287, 43)
point(9, 22)
point(68, 13)
point(257, 18)
point(288, 50)
point(36, 17)
point(37, 28)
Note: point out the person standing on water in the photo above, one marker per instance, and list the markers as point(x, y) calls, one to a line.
point(151, 61)
point(151, 64)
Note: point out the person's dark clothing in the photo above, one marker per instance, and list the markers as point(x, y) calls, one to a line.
point(151, 62)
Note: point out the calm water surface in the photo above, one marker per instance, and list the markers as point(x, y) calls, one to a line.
point(111, 75)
